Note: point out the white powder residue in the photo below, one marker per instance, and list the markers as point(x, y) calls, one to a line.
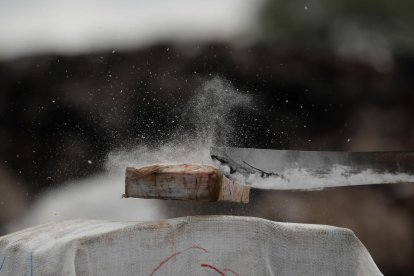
point(208, 114)
point(301, 179)
point(210, 111)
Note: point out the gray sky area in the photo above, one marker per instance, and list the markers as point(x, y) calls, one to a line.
point(77, 26)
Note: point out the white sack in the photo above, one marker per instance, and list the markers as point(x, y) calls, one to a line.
point(212, 245)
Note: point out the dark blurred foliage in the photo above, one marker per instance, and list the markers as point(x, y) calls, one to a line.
point(325, 76)
point(317, 23)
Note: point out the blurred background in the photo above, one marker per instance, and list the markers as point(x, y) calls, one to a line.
point(84, 81)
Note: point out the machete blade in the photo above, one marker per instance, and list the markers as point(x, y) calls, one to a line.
point(330, 168)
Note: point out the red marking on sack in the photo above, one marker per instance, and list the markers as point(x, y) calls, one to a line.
point(163, 262)
point(197, 247)
point(232, 271)
point(213, 268)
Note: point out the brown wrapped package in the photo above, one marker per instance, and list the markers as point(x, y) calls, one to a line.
point(183, 182)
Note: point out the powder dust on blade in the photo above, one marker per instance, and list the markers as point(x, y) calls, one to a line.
point(308, 170)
